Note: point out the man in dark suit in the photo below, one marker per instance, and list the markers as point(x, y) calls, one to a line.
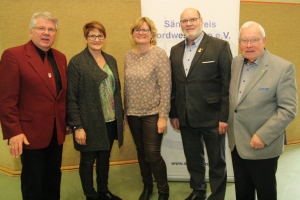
point(199, 103)
point(263, 102)
point(33, 108)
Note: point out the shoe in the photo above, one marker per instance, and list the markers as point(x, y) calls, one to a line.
point(148, 189)
point(194, 197)
point(164, 196)
point(108, 196)
point(92, 198)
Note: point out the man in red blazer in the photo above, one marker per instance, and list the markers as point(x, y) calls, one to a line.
point(33, 108)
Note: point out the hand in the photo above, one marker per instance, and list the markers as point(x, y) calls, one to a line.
point(161, 124)
point(68, 130)
point(124, 123)
point(256, 142)
point(16, 145)
point(125, 119)
point(223, 127)
point(80, 136)
point(175, 123)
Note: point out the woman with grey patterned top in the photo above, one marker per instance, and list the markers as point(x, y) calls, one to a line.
point(147, 103)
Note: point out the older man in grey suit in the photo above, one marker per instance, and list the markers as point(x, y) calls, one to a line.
point(263, 102)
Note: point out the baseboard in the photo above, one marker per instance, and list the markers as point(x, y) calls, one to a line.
point(67, 168)
point(293, 142)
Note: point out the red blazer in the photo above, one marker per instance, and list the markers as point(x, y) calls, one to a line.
point(27, 105)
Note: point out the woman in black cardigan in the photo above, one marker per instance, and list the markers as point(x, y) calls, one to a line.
point(94, 108)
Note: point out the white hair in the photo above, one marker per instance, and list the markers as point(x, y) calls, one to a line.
point(44, 15)
point(252, 23)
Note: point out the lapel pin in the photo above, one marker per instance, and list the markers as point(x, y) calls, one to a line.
point(200, 50)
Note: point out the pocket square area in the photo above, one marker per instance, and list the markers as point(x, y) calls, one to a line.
point(263, 88)
point(211, 61)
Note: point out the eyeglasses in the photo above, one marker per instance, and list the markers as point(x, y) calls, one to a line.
point(138, 30)
point(43, 29)
point(93, 37)
point(184, 21)
point(252, 41)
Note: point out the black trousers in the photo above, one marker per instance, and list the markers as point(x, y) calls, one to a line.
point(148, 145)
point(86, 166)
point(193, 144)
point(254, 175)
point(41, 175)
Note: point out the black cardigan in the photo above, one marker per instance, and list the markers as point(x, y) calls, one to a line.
point(84, 107)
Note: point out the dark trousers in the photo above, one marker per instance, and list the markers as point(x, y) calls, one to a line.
point(148, 144)
point(254, 175)
point(193, 144)
point(41, 175)
point(86, 167)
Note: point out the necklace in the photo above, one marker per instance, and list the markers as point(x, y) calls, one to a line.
point(142, 53)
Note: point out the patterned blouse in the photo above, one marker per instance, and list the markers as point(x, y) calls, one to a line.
point(147, 83)
point(107, 89)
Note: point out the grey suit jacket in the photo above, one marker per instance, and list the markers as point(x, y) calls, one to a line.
point(266, 107)
point(201, 97)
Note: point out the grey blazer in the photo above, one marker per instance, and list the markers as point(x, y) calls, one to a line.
point(83, 100)
point(266, 107)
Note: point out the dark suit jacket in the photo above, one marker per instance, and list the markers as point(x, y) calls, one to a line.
point(27, 103)
point(201, 97)
point(84, 106)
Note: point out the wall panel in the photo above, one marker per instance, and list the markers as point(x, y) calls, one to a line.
point(281, 23)
point(116, 16)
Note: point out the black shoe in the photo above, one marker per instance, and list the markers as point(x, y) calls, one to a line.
point(92, 198)
point(108, 196)
point(164, 196)
point(148, 189)
point(194, 197)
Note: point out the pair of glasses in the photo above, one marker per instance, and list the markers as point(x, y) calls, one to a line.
point(184, 21)
point(43, 29)
point(252, 41)
point(93, 37)
point(138, 30)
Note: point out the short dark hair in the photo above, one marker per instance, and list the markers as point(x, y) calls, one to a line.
point(93, 25)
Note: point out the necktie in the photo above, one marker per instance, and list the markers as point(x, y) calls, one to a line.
point(50, 73)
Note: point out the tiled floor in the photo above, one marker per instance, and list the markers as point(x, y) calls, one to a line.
point(125, 181)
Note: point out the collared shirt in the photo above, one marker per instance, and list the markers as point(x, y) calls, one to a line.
point(248, 69)
point(53, 65)
point(189, 53)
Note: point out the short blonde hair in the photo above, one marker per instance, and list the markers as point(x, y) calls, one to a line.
point(138, 23)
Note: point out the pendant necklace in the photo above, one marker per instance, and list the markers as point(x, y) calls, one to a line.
point(141, 54)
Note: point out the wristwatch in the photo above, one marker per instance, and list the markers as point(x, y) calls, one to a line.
point(76, 127)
